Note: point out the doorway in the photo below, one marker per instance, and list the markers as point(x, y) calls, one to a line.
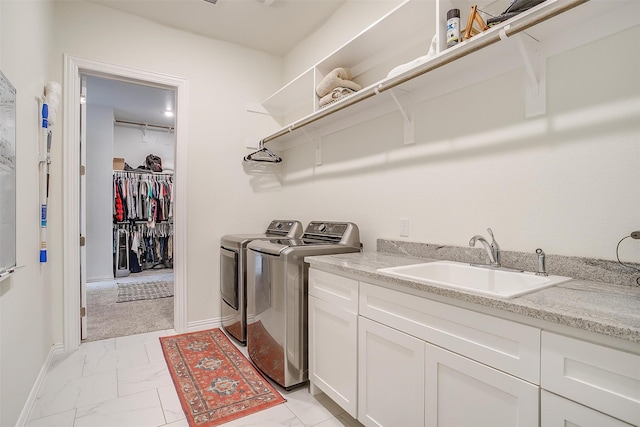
point(75, 67)
point(128, 149)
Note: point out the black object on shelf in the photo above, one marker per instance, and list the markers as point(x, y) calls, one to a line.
point(515, 8)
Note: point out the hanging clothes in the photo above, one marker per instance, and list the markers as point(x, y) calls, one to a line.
point(143, 205)
point(118, 208)
point(140, 196)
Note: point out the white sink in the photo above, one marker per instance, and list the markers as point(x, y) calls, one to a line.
point(485, 281)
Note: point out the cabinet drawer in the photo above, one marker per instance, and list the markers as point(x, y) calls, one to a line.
point(599, 377)
point(508, 346)
point(338, 290)
point(556, 411)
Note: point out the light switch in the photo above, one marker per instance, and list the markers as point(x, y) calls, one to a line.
point(404, 227)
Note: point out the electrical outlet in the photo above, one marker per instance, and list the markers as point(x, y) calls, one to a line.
point(635, 234)
point(404, 227)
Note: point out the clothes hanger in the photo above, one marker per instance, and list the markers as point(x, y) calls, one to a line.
point(263, 155)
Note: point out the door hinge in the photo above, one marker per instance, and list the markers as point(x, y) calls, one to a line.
point(82, 170)
point(83, 311)
point(82, 240)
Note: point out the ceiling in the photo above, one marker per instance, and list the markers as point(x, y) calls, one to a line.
point(273, 26)
point(132, 102)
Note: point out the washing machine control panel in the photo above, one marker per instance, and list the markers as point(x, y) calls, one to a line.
point(285, 228)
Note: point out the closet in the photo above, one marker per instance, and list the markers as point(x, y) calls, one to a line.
point(142, 221)
point(129, 209)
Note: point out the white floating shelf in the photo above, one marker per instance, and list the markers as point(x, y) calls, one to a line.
point(524, 41)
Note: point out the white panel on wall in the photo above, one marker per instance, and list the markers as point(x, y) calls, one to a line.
point(99, 192)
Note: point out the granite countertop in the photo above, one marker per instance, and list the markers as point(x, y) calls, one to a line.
point(608, 309)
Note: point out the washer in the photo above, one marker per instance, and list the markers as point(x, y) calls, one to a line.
point(233, 273)
point(277, 291)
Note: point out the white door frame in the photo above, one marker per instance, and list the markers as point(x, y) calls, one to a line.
point(73, 67)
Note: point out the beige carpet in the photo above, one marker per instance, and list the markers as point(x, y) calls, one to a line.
point(108, 319)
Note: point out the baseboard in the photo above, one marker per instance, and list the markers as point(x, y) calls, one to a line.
point(99, 278)
point(201, 325)
point(31, 400)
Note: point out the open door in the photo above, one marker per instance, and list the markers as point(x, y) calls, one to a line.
point(83, 207)
point(75, 67)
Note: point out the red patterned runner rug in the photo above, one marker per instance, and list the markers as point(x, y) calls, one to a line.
point(215, 382)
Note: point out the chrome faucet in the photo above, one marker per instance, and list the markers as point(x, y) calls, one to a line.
point(492, 249)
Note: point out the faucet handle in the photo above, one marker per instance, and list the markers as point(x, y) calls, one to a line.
point(542, 267)
point(495, 247)
point(493, 239)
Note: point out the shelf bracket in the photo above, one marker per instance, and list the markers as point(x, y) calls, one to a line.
point(256, 108)
point(536, 75)
point(315, 138)
point(318, 152)
point(408, 117)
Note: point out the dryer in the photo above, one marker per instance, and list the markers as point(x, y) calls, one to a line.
point(233, 273)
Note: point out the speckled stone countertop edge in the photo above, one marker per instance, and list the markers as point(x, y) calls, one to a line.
point(608, 309)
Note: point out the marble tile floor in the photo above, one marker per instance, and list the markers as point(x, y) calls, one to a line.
point(125, 382)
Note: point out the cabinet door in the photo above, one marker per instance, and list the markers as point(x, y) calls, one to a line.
point(596, 376)
point(390, 377)
point(556, 411)
point(462, 392)
point(333, 353)
point(508, 346)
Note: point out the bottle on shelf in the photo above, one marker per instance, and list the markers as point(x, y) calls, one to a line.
point(453, 27)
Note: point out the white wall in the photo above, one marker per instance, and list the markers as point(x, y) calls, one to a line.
point(26, 297)
point(222, 80)
point(99, 234)
point(533, 189)
point(567, 181)
point(128, 143)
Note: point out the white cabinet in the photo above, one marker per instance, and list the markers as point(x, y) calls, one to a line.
point(371, 351)
point(458, 391)
point(599, 377)
point(390, 377)
point(509, 346)
point(557, 411)
point(394, 359)
point(396, 370)
point(333, 337)
point(462, 392)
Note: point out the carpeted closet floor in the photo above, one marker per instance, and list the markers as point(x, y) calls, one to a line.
point(107, 318)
